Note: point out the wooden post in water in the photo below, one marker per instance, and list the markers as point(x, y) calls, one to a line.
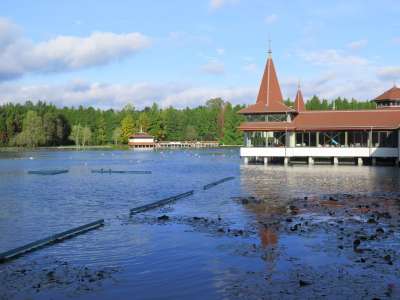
point(210, 185)
point(159, 203)
point(11, 254)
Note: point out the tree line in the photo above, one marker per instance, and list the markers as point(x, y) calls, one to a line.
point(42, 124)
point(314, 103)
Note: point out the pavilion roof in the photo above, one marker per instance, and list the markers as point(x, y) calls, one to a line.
point(333, 120)
point(299, 102)
point(269, 99)
point(391, 94)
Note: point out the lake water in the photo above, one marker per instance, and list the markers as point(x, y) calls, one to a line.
point(213, 245)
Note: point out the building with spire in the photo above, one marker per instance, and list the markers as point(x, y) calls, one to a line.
point(274, 131)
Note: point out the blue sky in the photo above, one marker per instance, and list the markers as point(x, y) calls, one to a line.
point(180, 53)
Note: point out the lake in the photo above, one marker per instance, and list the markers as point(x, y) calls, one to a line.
point(272, 232)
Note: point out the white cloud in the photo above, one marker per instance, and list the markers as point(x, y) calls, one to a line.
point(19, 55)
point(271, 19)
point(347, 75)
point(213, 67)
point(250, 67)
point(118, 95)
point(217, 4)
point(333, 57)
point(357, 44)
point(221, 51)
point(389, 73)
point(330, 86)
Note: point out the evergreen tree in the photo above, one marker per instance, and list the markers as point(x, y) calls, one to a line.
point(101, 134)
point(86, 136)
point(117, 135)
point(232, 135)
point(127, 128)
point(33, 133)
point(76, 134)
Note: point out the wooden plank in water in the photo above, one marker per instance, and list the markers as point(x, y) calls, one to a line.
point(210, 185)
point(49, 240)
point(47, 172)
point(104, 171)
point(159, 203)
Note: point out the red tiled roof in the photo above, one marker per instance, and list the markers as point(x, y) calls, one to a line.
point(269, 97)
point(141, 143)
point(299, 102)
point(333, 120)
point(262, 108)
point(392, 94)
point(140, 135)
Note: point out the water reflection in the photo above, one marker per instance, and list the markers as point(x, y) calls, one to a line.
point(181, 260)
point(279, 183)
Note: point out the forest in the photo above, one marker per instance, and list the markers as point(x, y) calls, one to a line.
point(42, 124)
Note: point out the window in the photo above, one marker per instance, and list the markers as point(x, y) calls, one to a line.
point(358, 138)
point(267, 118)
point(384, 139)
point(276, 139)
point(306, 139)
point(257, 139)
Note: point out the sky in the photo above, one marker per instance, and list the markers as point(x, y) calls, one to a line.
point(107, 54)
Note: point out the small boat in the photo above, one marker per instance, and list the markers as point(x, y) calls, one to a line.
point(47, 172)
point(109, 171)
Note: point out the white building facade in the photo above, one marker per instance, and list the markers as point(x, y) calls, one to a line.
point(274, 132)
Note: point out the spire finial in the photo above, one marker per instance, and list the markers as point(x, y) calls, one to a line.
point(269, 47)
point(298, 85)
point(394, 83)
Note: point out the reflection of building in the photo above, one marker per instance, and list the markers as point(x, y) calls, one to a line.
point(141, 141)
point(275, 131)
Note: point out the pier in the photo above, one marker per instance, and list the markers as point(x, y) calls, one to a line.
point(186, 145)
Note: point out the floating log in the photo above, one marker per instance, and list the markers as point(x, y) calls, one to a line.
point(11, 254)
point(109, 171)
point(159, 203)
point(210, 185)
point(47, 172)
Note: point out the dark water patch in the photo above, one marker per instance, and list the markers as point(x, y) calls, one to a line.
point(40, 280)
point(213, 226)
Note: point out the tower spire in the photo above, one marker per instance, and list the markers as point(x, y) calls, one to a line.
point(269, 48)
point(299, 102)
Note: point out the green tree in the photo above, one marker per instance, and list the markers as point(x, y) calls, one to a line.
point(86, 136)
point(117, 135)
point(32, 134)
point(191, 133)
point(50, 128)
point(144, 122)
point(232, 135)
point(76, 134)
point(127, 128)
point(101, 134)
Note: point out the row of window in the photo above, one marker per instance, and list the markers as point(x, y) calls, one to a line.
point(389, 103)
point(324, 139)
point(268, 118)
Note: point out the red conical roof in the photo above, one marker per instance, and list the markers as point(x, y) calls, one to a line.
point(269, 99)
point(299, 102)
point(392, 94)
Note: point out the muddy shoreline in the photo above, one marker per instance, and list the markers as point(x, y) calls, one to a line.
point(330, 245)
